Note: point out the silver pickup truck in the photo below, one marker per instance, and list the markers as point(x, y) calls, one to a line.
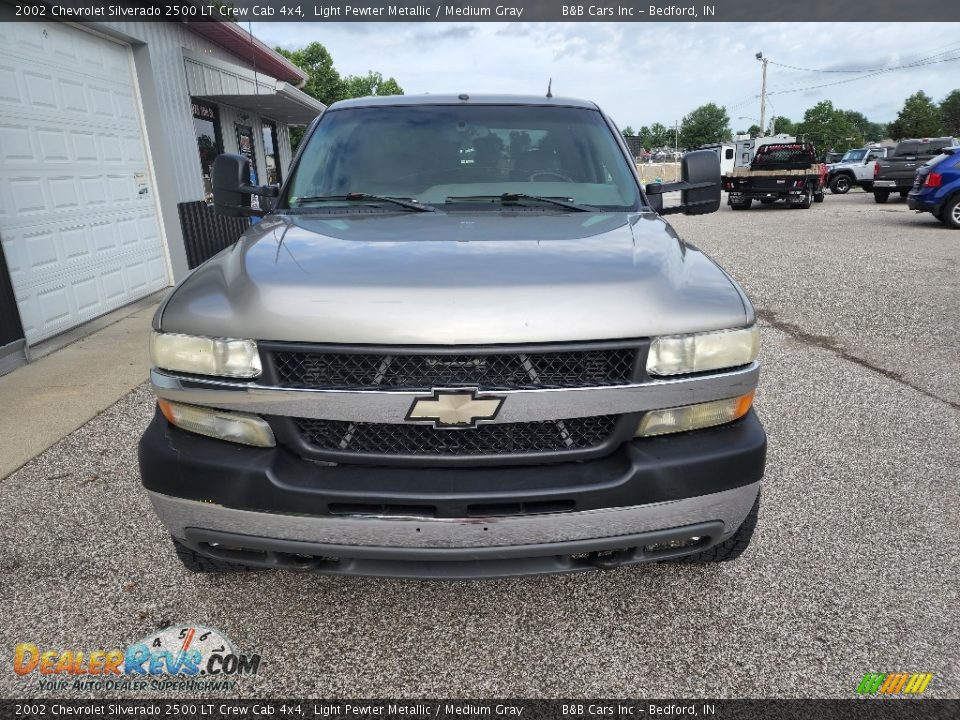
point(461, 342)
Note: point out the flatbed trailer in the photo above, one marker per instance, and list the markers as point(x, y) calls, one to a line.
point(786, 171)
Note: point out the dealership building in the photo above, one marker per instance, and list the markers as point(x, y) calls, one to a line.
point(107, 136)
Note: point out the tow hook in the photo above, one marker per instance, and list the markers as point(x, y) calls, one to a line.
point(611, 560)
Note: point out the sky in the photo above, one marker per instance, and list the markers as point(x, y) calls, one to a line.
point(641, 73)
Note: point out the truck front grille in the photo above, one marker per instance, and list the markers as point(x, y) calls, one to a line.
point(482, 369)
point(549, 436)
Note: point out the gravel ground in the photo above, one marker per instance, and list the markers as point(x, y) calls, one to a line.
point(854, 566)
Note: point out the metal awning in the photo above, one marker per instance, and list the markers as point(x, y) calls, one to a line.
point(285, 104)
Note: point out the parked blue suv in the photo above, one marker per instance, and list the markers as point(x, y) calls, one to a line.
point(936, 188)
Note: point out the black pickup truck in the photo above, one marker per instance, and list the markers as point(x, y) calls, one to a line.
point(896, 172)
point(779, 171)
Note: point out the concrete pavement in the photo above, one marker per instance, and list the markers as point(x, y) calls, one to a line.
point(72, 382)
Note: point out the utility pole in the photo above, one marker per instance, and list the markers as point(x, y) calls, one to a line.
point(763, 94)
point(676, 137)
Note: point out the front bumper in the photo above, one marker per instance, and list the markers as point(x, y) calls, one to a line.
point(274, 509)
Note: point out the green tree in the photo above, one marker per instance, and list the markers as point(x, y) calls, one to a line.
point(323, 81)
point(373, 83)
point(829, 128)
point(707, 124)
point(754, 131)
point(781, 124)
point(659, 135)
point(919, 117)
point(628, 131)
point(950, 113)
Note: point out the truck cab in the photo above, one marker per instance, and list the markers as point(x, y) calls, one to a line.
point(462, 342)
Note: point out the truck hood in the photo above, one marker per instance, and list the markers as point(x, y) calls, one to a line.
point(466, 278)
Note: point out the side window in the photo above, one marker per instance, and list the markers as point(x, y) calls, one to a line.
point(206, 126)
point(728, 154)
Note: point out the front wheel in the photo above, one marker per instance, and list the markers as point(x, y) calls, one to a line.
point(950, 215)
point(840, 185)
point(731, 548)
point(881, 196)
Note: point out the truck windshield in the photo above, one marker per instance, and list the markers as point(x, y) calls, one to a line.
point(853, 156)
point(462, 154)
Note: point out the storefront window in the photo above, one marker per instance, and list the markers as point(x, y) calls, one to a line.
point(206, 125)
point(247, 149)
point(271, 148)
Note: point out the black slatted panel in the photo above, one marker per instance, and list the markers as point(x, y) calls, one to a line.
point(205, 232)
point(489, 371)
point(499, 439)
point(10, 327)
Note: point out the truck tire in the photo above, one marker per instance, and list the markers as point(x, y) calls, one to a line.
point(841, 184)
point(950, 214)
point(806, 202)
point(742, 205)
point(195, 562)
point(729, 549)
point(818, 197)
point(867, 186)
point(881, 196)
point(904, 193)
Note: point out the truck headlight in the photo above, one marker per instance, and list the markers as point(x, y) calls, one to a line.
point(678, 354)
point(694, 417)
point(231, 426)
point(205, 356)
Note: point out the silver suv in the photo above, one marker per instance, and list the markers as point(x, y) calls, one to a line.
point(461, 342)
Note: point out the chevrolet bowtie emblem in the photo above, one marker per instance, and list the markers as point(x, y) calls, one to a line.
point(454, 409)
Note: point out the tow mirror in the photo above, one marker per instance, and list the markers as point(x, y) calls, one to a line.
point(699, 186)
point(232, 188)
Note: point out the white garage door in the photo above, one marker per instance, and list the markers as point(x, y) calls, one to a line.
point(78, 220)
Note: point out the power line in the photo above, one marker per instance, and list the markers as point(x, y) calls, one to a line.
point(943, 51)
point(861, 77)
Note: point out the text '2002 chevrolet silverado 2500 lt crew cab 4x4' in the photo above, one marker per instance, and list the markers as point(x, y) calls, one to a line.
point(462, 342)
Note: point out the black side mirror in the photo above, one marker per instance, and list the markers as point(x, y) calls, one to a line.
point(700, 171)
point(232, 188)
point(699, 186)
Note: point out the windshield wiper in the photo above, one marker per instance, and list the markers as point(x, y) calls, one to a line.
point(408, 204)
point(511, 197)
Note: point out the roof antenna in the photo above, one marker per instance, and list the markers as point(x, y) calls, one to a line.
point(549, 91)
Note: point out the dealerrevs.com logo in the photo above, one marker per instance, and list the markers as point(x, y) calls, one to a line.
point(179, 657)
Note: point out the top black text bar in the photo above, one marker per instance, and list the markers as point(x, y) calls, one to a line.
point(646, 11)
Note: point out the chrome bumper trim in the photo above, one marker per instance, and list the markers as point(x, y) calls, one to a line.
point(392, 407)
point(729, 507)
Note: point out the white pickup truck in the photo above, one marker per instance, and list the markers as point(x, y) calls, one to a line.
point(855, 168)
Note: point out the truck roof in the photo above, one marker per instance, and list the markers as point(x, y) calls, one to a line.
point(450, 99)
